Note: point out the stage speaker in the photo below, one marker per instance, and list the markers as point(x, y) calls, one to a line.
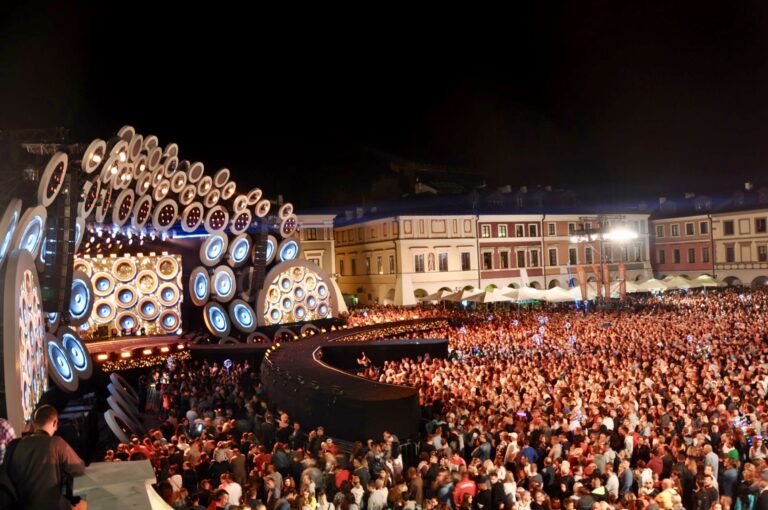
point(59, 249)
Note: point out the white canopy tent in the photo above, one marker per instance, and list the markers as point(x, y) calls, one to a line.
point(492, 296)
point(461, 295)
point(680, 282)
point(437, 296)
point(651, 285)
point(707, 281)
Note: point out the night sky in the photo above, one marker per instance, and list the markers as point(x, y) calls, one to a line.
point(634, 100)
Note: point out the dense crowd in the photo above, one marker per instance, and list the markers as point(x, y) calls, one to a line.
point(659, 405)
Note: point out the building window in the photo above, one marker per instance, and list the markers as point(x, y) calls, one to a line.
point(659, 230)
point(572, 256)
point(675, 230)
point(341, 267)
point(689, 229)
point(551, 229)
point(675, 256)
point(379, 265)
point(760, 225)
point(532, 230)
point(442, 262)
point(728, 227)
point(487, 260)
point(504, 259)
point(367, 265)
point(534, 258)
point(520, 259)
point(730, 252)
point(762, 253)
point(310, 234)
point(391, 264)
point(705, 254)
point(502, 231)
point(571, 228)
point(354, 267)
point(662, 257)
point(589, 256)
point(704, 227)
point(691, 255)
point(465, 261)
point(636, 251)
point(485, 231)
point(519, 231)
point(418, 263)
point(552, 256)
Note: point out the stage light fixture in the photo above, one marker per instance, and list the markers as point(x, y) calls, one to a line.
point(81, 298)
point(242, 316)
point(126, 297)
point(239, 249)
point(76, 352)
point(228, 191)
point(103, 312)
point(124, 269)
point(146, 352)
point(165, 214)
point(162, 190)
point(221, 177)
point(59, 367)
point(52, 179)
point(195, 172)
point(91, 191)
point(93, 156)
point(29, 231)
point(168, 294)
point(199, 285)
point(204, 185)
point(213, 249)
point(171, 164)
point(223, 284)
point(241, 222)
point(8, 224)
point(169, 321)
point(262, 208)
point(125, 354)
point(289, 250)
point(212, 198)
point(216, 319)
point(254, 196)
point(148, 308)
point(271, 249)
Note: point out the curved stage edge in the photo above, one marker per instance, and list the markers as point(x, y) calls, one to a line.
point(308, 380)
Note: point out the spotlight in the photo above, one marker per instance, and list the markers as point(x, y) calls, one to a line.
point(125, 354)
point(146, 352)
point(180, 346)
point(164, 349)
point(102, 357)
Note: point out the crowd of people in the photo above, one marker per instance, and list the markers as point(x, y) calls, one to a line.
point(657, 405)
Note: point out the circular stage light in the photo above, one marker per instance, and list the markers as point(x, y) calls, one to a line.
point(157, 176)
point(289, 250)
point(223, 284)
point(289, 226)
point(271, 249)
point(81, 298)
point(139, 166)
point(195, 172)
point(165, 214)
point(228, 190)
point(287, 304)
point(146, 281)
point(106, 202)
point(93, 156)
point(172, 150)
point(298, 293)
point(52, 179)
point(286, 284)
point(242, 316)
point(8, 223)
point(141, 212)
point(127, 321)
point(91, 190)
point(59, 367)
point(169, 321)
point(262, 208)
point(324, 311)
point(240, 203)
point(239, 249)
point(216, 319)
point(192, 217)
point(213, 249)
point(254, 196)
point(167, 267)
point(154, 156)
point(168, 294)
point(125, 296)
point(310, 282)
point(135, 145)
point(82, 266)
point(178, 182)
point(199, 286)
point(204, 186)
point(124, 176)
point(162, 190)
point(78, 355)
point(126, 133)
point(285, 211)
point(144, 184)
point(24, 346)
point(103, 283)
point(124, 269)
point(300, 312)
point(216, 219)
point(171, 164)
point(188, 194)
point(212, 198)
point(148, 308)
point(29, 230)
point(221, 177)
point(275, 316)
point(150, 142)
point(124, 388)
point(118, 426)
point(109, 170)
point(311, 302)
point(258, 338)
point(241, 222)
point(103, 311)
point(322, 290)
point(273, 295)
point(52, 320)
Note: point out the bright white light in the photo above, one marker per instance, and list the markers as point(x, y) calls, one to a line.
point(113, 170)
point(122, 156)
point(96, 158)
point(574, 239)
point(621, 234)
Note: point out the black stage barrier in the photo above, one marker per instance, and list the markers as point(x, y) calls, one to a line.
point(345, 356)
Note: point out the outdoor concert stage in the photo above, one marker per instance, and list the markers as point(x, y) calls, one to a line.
point(308, 380)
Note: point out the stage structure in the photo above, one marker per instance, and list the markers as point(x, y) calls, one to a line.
point(125, 190)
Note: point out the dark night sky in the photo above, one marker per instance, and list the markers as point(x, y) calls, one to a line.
point(641, 99)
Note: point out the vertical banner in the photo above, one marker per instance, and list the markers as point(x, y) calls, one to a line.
point(622, 281)
point(598, 280)
point(582, 276)
point(606, 281)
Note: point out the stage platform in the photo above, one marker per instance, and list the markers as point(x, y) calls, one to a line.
point(122, 343)
point(117, 485)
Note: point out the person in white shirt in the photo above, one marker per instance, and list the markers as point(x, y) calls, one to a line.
point(378, 498)
point(612, 481)
point(233, 488)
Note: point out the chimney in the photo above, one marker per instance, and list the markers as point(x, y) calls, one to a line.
point(662, 200)
point(748, 186)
